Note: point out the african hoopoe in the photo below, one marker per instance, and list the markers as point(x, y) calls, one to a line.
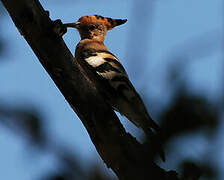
point(115, 85)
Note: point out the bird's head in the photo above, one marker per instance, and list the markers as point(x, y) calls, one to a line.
point(95, 26)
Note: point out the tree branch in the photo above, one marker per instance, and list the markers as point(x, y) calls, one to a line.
point(119, 150)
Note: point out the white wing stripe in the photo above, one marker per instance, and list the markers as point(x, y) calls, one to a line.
point(95, 61)
point(108, 75)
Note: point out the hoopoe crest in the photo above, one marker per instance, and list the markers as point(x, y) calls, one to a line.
point(95, 26)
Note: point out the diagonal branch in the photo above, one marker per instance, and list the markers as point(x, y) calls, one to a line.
point(119, 150)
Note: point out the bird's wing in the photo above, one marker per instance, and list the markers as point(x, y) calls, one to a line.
point(108, 67)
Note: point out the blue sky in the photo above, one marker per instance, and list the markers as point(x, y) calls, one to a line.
point(174, 26)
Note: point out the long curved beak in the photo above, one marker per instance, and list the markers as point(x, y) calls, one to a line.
point(72, 25)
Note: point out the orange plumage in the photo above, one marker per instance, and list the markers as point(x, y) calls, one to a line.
point(109, 22)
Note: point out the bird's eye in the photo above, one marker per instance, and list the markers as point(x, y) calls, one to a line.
point(92, 27)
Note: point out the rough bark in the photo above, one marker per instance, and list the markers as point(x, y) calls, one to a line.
point(119, 150)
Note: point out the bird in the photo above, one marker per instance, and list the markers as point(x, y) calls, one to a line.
point(113, 82)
